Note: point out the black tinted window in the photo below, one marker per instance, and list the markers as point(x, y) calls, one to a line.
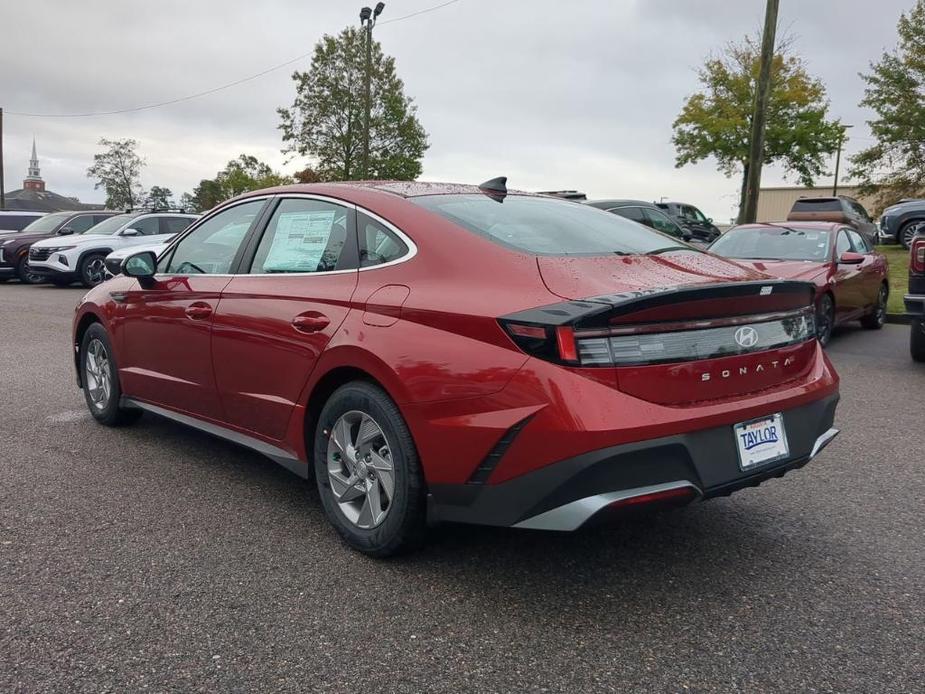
point(80, 224)
point(634, 213)
point(303, 236)
point(174, 225)
point(544, 226)
point(811, 205)
point(377, 243)
point(15, 222)
point(211, 248)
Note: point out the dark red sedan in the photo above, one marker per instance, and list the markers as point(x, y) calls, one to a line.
point(850, 277)
point(433, 352)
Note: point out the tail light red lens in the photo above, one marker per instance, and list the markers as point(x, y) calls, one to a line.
point(917, 258)
point(553, 343)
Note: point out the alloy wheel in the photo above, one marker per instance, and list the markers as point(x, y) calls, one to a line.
point(360, 469)
point(909, 233)
point(98, 374)
point(95, 271)
point(880, 311)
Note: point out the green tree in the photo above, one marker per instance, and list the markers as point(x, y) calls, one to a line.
point(159, 198)
point(239, 176)
point(117, 169)
point(894, 167)
point(326, 121)
point(716, 121)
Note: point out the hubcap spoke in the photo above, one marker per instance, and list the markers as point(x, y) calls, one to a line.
point(360, 469)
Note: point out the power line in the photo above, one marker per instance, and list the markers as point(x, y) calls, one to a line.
point(213, 90)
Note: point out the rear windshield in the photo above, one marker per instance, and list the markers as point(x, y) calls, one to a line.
point(544, 226)
point(817, 206)
point(773, 243)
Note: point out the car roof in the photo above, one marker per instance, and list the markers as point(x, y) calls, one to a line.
point(403, 189)
point(621, 203)
point(819, 226)
point(23, 212)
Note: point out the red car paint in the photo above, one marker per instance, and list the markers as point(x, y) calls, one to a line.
point(225, 349)
point(854, 287)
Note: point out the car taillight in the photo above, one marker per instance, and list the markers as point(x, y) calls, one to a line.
point(549, 342)
point(917, 257)
point(662, 343)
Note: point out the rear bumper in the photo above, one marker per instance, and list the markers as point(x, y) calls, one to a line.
point(565, 495)
point(915, 305)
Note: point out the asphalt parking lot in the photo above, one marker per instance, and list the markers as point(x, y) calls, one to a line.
point(157, 557)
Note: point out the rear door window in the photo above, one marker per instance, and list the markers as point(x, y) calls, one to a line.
point(304, 236)
point(634, 213)
point(174, 225)
point(80, 224)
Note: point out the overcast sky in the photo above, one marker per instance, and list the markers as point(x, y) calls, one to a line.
point(553, 94)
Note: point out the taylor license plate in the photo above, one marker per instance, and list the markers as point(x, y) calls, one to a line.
point(761, 441)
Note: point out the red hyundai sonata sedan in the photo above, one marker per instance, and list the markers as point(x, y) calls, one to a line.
point(434, 352)
point(851, 278)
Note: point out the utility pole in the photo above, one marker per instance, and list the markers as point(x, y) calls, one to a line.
point(841, 141)
point(749, 210)
point(368, 20)
point(2, 183)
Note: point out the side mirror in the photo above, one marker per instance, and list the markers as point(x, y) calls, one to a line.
point(141, 266)
point(130, 232)
point(709, 220)
point(65, 231)
point(851, 258)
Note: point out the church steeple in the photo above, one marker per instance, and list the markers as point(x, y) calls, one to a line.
point(33, 180)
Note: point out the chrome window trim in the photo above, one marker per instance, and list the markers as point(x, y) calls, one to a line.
point(411, 245)
point(195, 225)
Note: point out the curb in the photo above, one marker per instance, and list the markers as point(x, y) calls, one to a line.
point(897, 318)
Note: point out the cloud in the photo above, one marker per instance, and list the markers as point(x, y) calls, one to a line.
point(552, 94)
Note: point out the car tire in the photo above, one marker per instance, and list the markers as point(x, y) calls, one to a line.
point(908, 232)
point(877, 317)
point(917, 340)
point(92, 269)
point(100, 378)
point(825, 319)
point(362, 450)
point(25, 275)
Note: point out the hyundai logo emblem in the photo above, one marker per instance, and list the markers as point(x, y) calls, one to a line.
point(746, 337)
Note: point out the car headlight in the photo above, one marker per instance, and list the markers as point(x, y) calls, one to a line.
point(58, 249)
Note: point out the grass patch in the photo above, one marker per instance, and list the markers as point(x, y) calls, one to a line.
point(898, 258)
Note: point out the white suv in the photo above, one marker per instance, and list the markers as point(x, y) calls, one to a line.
point(62, 260)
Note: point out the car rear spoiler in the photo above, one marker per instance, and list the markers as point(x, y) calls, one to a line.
point(670, 303)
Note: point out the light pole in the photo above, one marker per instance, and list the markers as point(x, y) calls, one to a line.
point(841, 141)
point(368, 20)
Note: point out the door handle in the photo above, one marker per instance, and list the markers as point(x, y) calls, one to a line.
point(198, 310)
point(310, 324)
